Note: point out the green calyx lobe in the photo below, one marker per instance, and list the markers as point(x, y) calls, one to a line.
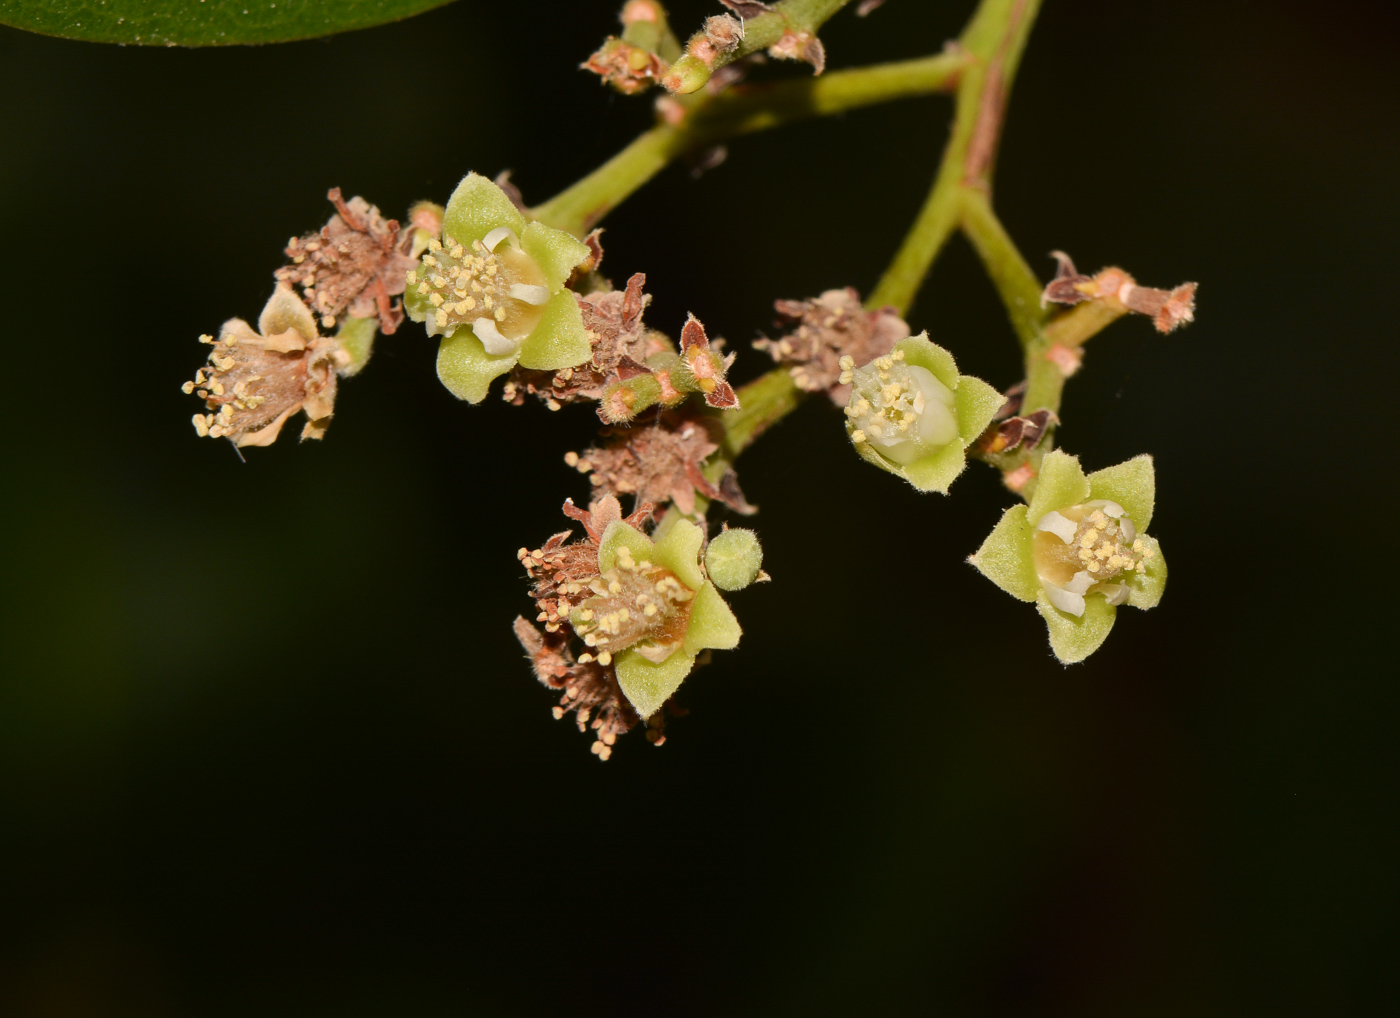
point(656, 613)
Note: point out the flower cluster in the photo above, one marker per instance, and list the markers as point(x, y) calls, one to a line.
point(824, 330)
point(912, 414)
point(642, 606)
point(1079, 549)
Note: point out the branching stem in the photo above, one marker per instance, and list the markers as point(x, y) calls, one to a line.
point(742, 110)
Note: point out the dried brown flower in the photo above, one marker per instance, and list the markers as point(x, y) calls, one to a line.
point(747, 8)
point(590, 690)
point(830, 327)
point(621, 346)
point(662, 461)
point(356, 263)
point(1168, 309)
point(255, 381)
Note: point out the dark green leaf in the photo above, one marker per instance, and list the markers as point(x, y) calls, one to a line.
point(203, 22)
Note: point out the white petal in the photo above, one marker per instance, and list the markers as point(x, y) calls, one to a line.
point(535, 295)
point(497, 235)
point(1129, 531)
point(1081, 582)
point(1064, 600)
point(1114, 593)
point(1057, 525)
point(491, 338)
point(1112, 509)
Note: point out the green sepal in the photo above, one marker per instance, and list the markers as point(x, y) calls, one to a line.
point(1060, 484)
point(1133, 485)
point(476, 208)
point(923, 353)
point(712, 624)
point(554, 251)
point(558, 339)
point(1073, 639)
point(285, 312)
point(356, 338)
point(937, 470)
point(734, 559)
point(464, 366)
point(1007, 556)
point(648, 685)
point(976, 403)
point(1145, 588)
point(416, 305)
point(621, 534)
point(679, 551)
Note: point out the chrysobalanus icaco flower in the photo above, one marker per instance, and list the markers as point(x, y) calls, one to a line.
point(493, 288)
point(627, 613)
point(1079, 549)
point(911, 413)
point(254, 381)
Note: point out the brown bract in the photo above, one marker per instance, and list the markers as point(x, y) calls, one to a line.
point(662, 461)
point(255, 381)
point(621, 346)
point(355, 264)
point(1168, 309)
point(827, 328)
point(801, 45)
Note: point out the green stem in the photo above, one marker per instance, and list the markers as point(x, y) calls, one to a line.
point(993, 42)
point(691, 71)
point(1019, 289)
point(743, 110)
point(765, 400)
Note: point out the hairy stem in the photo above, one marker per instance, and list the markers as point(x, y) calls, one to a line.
point(742, 110)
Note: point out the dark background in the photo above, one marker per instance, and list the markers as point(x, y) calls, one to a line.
point(267, 745)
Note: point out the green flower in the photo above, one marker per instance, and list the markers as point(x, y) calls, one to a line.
point(912, 414)
point(493, 288)
point(653, 610)
point(1079, 550)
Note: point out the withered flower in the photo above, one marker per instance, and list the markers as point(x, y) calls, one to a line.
point(802, 45)
point(1168, 309)
point(255, 381)
point(827, 328)
point(629, 69)
point(355, 264)
point(662, 461)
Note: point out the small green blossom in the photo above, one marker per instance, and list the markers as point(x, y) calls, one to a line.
point(1079, 550)
point(493, 288)
point(653, 610)
point(912, 414)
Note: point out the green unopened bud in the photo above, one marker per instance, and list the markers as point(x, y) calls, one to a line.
point(624, 400)
point(734, 559)
point(688, 74)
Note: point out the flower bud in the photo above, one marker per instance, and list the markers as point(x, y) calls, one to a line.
point(734, 559)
